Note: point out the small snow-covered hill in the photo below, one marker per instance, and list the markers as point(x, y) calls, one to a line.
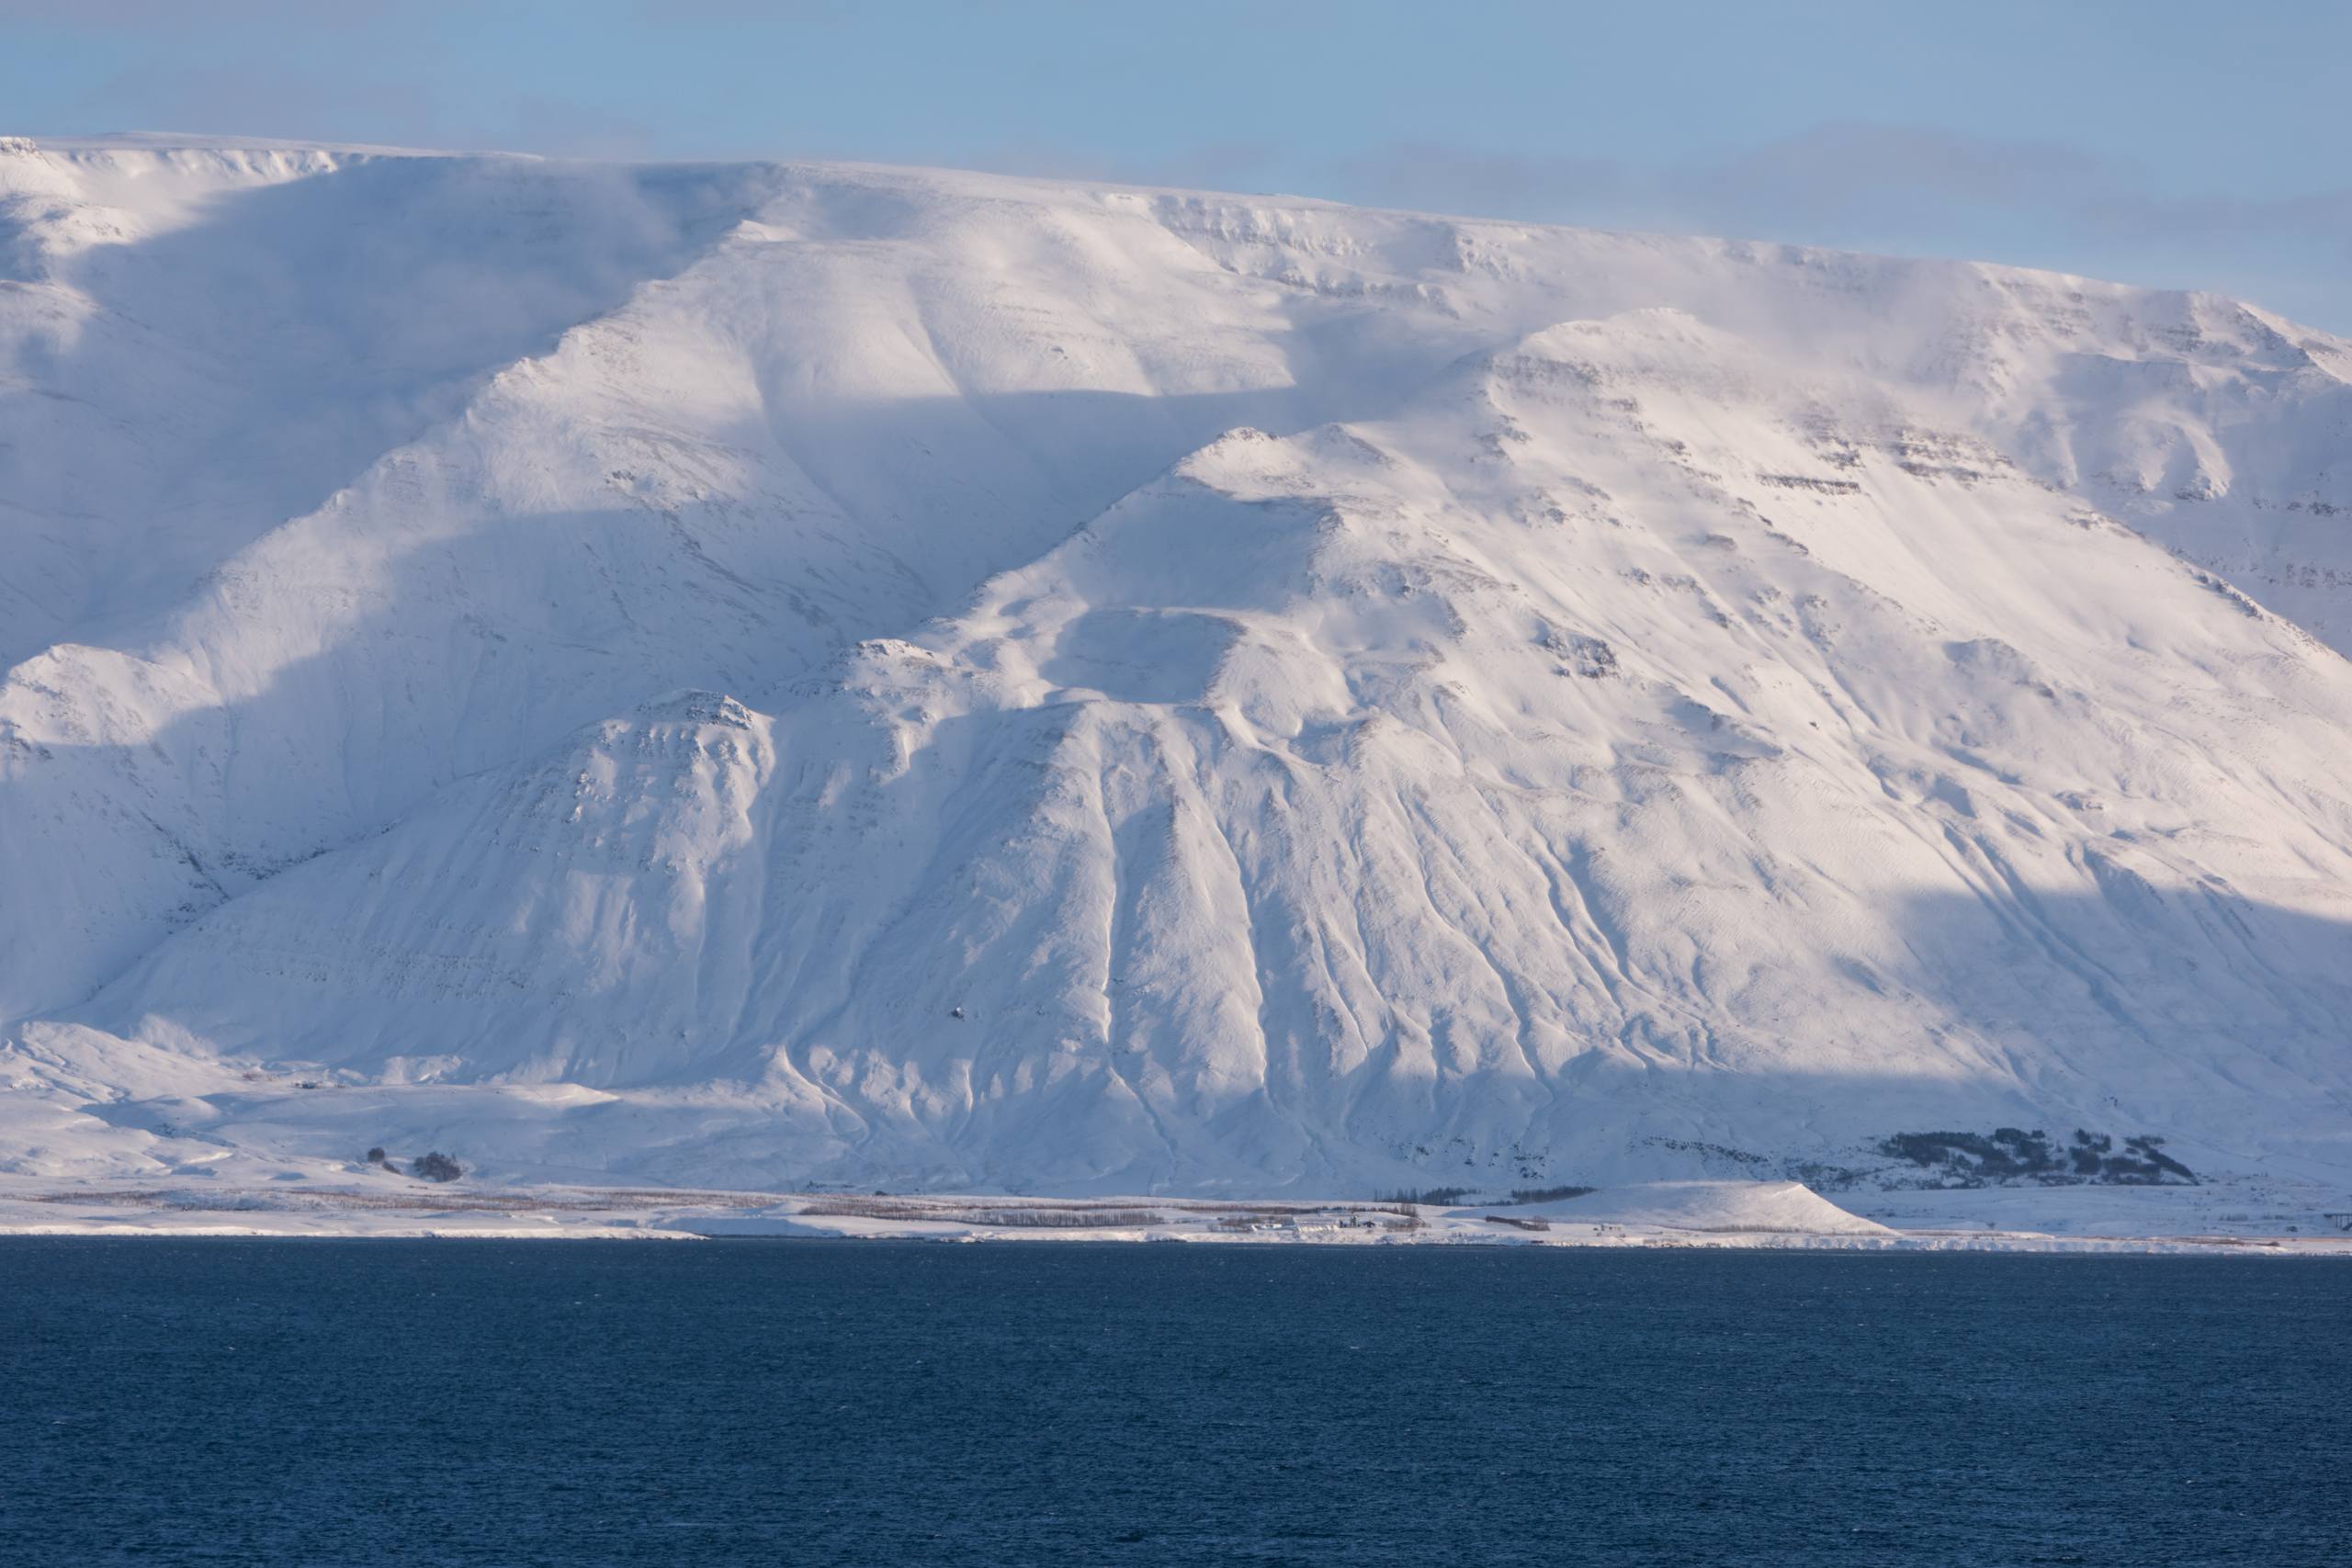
point(777, 674)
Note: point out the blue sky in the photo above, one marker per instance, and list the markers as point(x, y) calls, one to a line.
point(2169, 143)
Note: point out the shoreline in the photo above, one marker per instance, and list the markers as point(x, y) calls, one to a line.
point(2105, 1246)
point(1757, 1216)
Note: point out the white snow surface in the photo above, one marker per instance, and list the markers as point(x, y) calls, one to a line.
point(1770, 1215)
point(767, 676)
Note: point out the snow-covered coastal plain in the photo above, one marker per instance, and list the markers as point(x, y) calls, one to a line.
point(720, 695)
point(1650, 1214)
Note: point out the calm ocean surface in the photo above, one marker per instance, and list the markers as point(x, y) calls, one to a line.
point(422, 1403)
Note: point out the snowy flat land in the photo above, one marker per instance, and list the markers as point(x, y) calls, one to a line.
point(1674, 1213)
point(767, 678)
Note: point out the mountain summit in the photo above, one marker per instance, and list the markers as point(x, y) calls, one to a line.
point(779, 674)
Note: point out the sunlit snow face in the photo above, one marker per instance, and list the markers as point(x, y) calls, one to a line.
point(761, 674)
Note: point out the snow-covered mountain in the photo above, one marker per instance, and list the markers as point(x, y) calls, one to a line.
point(777, 674)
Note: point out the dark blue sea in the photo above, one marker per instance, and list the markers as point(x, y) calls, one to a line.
point(485, 1403)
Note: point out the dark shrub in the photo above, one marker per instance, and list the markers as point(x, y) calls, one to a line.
point(436, 1166)
point(1437, 1197)
point(2011, 1153)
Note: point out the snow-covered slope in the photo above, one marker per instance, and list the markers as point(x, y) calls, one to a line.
point(771, 674)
